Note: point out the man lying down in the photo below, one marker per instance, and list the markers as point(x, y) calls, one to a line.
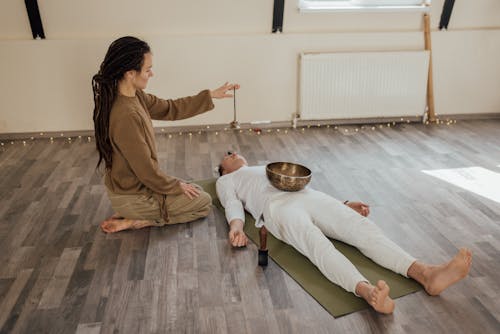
point(305, 219)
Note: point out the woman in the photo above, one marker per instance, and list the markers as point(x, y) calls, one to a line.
point(140, 193)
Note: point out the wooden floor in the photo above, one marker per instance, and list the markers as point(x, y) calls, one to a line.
point(60, 274)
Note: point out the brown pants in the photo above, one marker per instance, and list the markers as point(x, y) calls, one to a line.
point(180, 208)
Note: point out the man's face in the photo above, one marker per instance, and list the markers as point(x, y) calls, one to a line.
point(233, 161)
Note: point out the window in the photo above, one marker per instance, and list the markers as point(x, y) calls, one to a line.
point(362, 5)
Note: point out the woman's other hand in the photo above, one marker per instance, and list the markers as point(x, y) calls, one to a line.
point(189, 190)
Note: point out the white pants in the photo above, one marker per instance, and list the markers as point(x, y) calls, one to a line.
point(303, 219)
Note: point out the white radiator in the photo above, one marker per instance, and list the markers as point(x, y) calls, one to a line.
point(363, 84)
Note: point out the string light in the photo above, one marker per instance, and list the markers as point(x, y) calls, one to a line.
point(438, 121)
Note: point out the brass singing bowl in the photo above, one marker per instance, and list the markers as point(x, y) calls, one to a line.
point(288, 176)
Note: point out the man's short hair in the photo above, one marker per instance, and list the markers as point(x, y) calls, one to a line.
point(221, 169)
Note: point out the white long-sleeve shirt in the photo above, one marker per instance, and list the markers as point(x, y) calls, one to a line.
point(247, 188)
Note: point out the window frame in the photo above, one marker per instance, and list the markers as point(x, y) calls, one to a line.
point(346, 6)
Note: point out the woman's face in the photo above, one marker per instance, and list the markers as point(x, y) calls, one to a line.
point(140, 79)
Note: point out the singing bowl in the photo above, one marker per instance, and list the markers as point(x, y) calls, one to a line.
point(288, 176)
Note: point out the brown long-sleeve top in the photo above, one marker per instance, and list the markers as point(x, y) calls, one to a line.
point(135, 167)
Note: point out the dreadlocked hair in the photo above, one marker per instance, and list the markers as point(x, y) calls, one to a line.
point(124, 54)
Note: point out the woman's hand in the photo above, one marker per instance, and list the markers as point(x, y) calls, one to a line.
point(221, 92)
point(361, 208)
point(189, 190)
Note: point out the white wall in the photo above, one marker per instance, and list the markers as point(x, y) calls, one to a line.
point(45, 84)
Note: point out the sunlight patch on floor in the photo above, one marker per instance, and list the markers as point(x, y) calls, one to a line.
point(478, 180)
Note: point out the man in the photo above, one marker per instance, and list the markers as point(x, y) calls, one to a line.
point(305, 219)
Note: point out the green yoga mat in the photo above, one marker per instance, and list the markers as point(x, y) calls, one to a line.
point(333, 298)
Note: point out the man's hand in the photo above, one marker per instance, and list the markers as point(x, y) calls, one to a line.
point(237, 238)
point(361, 208)
point(221, 92)
point(189, 190)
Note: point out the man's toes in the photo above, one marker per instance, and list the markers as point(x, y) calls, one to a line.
point(381, 284)
point(465, 252)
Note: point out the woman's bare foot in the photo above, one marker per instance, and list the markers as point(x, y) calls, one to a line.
point(117, 223)
point(438, 278)
point(115, 216)
point(377, 296)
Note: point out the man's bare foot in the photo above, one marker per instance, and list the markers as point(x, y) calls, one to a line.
point(438, 278)
point(117, 224)
point(377, 296)
point(380, 300)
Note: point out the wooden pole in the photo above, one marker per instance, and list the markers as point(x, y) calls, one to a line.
point(431, 115)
